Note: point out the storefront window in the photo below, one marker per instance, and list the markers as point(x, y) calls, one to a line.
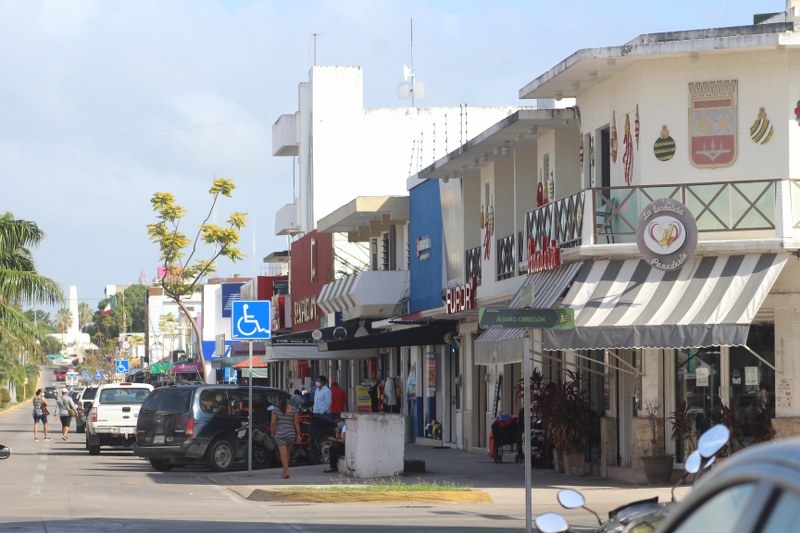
point(752, 386)
point(697, 395)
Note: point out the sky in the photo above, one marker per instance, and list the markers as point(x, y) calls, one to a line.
point(103, 103)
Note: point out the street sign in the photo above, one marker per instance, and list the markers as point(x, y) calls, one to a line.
point(251, 320)
point(122, 366)
point(98, 375)
point(498, 317)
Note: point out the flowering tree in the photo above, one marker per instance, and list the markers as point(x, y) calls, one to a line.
point(183, 271)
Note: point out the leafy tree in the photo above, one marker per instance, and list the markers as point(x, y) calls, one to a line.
point(21, 283)
point(126, 306)
point(50, 344)
point(183, 269)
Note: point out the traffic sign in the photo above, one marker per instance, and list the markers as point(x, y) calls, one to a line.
point(122, 366)
point(498, 317)
point(98, 375)
point(251, 320)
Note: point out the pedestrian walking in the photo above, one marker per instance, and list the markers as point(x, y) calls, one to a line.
point(65, 410)
point(40, 414)
point(285, 429)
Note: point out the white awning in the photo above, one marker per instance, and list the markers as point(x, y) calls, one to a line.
point(282, 352)
point(710, 301)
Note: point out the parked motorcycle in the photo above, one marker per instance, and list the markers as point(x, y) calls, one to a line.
point(265, 453)
point(641, 515)
point(5, 451)
point(313, 445)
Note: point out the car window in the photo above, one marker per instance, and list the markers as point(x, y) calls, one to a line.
point(214, 401)
point(784, 515)
point(123, 396)
point(89, 394)
point(721, 512)
point(169, 400)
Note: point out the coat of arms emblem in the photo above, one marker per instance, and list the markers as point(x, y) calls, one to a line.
point(712, 123)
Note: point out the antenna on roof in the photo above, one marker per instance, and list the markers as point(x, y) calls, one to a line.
point(410, 88)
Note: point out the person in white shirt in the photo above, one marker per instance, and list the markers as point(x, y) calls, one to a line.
point(322, 397)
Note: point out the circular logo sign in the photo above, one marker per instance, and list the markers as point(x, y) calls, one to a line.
point(666, 234)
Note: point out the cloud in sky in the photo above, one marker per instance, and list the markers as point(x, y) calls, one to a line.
point(104, 103)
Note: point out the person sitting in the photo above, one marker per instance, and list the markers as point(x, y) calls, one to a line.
point(337, 447)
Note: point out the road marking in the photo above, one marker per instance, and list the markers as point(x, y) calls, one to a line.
point(38, 478)
point(43, 457)
point(42, 467)
point(35, 491)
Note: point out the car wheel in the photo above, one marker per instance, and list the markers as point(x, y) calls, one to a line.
point(161, 465)
point(94, 450)
point(220, 455)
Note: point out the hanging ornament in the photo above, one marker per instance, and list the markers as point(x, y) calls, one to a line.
point(664, 147)
point(797, 113)
point(580, 154)
point(761, 130)
point(636, 127)
point(627, 154)
point(482, 221)
point(613, 136)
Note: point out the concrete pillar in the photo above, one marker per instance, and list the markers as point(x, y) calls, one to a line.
point(375, 445)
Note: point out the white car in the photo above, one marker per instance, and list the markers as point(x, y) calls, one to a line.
point(112, 418)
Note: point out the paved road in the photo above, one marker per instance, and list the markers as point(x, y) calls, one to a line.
point(56, 486)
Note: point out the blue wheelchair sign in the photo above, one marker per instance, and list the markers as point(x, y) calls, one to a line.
point(250, 320)
point(98, 375)
point(122, 366)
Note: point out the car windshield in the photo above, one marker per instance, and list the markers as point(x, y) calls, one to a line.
point(123, 396)
point(171, 400)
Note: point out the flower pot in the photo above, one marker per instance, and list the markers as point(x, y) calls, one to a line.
point(658, 470)
point(574, 463)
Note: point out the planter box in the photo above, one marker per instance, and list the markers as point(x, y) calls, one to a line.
point(658, 470)
point(574, 463)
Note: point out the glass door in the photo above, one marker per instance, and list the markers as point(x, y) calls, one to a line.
point(697, 401)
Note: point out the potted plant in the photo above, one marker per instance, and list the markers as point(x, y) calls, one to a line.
point(657, 463)
point(569, 421)
point(683, 430)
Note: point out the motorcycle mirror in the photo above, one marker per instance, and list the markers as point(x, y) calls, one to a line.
point(551, 523)
point(713, 440)
point(692, 463)
point(710, 461)
point(570, 499)
point(5, 451)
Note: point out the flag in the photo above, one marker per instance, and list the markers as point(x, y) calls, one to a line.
point(106, 311)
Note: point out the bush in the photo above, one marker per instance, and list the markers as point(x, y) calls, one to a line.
point(5, 396)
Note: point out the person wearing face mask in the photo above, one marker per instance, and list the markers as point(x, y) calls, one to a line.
point(322, 397)
point(337, 446)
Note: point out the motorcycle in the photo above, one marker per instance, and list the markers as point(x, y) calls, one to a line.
point(264, 447)
point(640, 515)
point(5, 452)
point(313, 444)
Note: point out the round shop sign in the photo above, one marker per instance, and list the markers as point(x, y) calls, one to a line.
point(666, 234)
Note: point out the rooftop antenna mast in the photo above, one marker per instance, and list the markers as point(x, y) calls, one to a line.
point(410, 88)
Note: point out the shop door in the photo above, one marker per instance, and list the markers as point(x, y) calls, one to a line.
point(697, 400)
point(752, 388)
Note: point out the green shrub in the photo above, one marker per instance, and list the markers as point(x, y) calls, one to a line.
point(5, 396)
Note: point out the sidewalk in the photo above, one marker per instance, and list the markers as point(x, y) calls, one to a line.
point(504, 482)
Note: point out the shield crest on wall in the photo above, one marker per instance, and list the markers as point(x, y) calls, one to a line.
point(712, 123)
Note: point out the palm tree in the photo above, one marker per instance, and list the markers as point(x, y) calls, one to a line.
point(85, 315)
point(63, 321)
point(20, 282)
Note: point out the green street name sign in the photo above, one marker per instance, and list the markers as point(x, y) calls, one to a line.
point(497, 317)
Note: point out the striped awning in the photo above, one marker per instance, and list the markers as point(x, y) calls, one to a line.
point(335, 295)
point(709, 301)
point(540, 290)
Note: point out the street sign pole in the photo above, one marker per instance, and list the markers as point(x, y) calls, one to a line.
point(250, 412)
point(526, 441)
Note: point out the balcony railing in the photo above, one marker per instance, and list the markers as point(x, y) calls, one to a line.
point(506, 257)
point(722, 210)
point(473, 264)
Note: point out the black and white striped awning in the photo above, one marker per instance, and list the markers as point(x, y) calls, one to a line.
point(539, 290)
point(710, 301)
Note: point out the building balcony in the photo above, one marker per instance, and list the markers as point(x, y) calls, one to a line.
point(285, 136)
point(764, 210)
point(368, 294)
point(286, 220)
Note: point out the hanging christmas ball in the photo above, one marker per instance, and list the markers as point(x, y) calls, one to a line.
point(664, 147)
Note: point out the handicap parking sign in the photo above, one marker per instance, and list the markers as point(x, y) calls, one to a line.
point(98, 375)
point(250, 320)
point(122, 366)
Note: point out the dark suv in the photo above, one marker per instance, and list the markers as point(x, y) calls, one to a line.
point(191, 424)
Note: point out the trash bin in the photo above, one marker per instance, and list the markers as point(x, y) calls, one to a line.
point(409, 430)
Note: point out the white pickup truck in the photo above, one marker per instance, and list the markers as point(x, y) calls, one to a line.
point(112, 419)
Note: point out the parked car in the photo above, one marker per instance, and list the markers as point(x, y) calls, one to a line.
point(196, 424)
point(112, 418)
point(755, 490)
point(60, 374)
point(51, 392)
point(84, 403)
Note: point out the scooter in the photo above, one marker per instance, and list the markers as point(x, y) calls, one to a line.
point(264, 448)
point(5, 452)
point(641, 515)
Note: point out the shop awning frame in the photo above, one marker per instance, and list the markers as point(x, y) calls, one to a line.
point(541, 290)
point(431, 334)
point(709, 301)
